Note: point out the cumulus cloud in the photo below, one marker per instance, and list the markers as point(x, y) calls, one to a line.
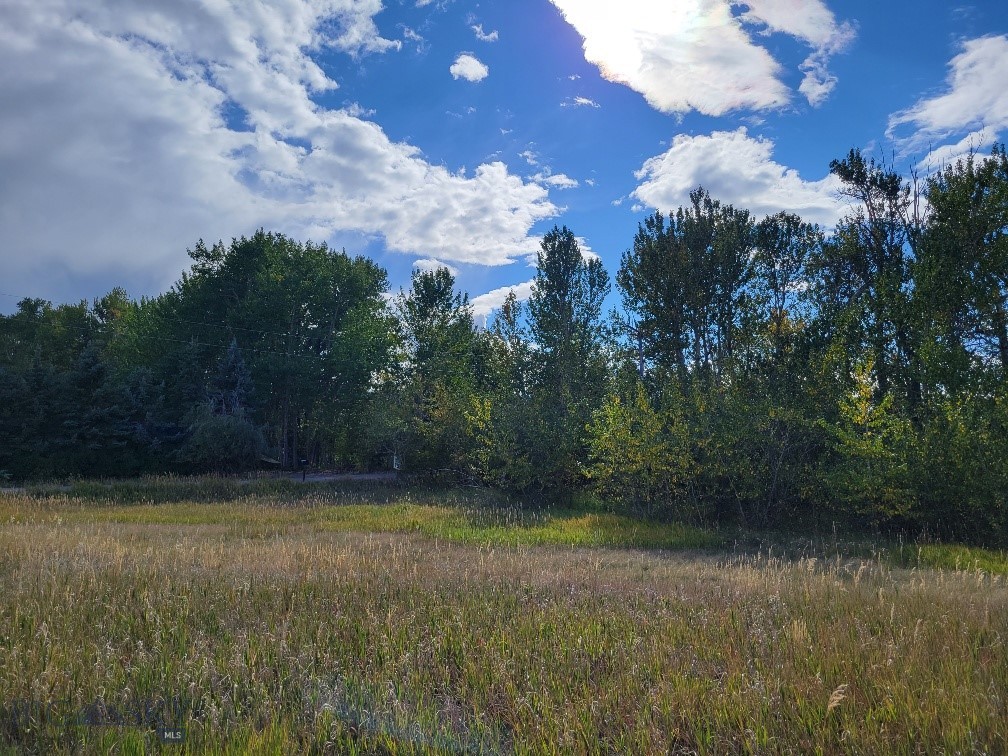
point(484, 304)
point(130, 130)
point(738, 169)
point(468, 67)
point(700, 55)
point(430, 265)
point(975, 98)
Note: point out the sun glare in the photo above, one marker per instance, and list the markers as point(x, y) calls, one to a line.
point(618, 34)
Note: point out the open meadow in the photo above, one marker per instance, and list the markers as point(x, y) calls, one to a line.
point(272, 618)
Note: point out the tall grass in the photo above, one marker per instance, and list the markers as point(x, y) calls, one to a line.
point(312, 625)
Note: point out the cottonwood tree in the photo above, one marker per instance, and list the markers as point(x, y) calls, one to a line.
point(314, 330)
point(864, 275)
point(436, 380)
point(566, 329)
point(685, 280)
point(962, 280)
point(503, 420)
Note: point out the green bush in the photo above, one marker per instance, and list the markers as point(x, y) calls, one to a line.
point(222, 443)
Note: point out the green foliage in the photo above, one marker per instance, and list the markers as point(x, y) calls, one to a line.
point(424, 419)
point(962, 274)
point(962, 470)
point(640, 456)
point(686, 280)
point(876, 448)
point(784, 247)
point(502, 418)
point(566, 327)
point(869, 272)
point(313, 328)
point(762, 373)
point(221, 443)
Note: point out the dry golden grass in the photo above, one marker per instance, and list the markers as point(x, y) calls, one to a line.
point(269, 632)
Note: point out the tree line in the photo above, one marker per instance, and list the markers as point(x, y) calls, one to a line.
point(759, 371)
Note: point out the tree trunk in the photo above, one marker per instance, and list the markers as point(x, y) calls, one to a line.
point(1001, 329)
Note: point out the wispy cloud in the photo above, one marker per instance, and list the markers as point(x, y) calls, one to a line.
point(483, 36)
point(357, 110)
point(812, 22)
point(555, 180)
point(529, 156)
point(975, 99)
point(580, 102)
point(416, 38)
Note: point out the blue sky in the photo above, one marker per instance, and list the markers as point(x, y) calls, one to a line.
point(447, 132)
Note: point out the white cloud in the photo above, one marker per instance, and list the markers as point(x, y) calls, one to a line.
point(432, 265)
point(699, 55)
point(808, 20)
point(814, 24)
point(975, 142)
point(561, 181)
point(975, 98)
point(581, 102)
point(738, 169)
point(468, 67)
point(416, 38)
point(556, 180)
point(530, 157)
point(359, 111)
point(483, 36)
point(130, 130)
point(484, 304)
point(586, 251)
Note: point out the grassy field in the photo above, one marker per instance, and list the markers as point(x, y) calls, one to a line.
point(274, 618)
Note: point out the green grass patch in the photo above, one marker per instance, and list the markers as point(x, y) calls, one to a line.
point(950, 556)
point(483, 526)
